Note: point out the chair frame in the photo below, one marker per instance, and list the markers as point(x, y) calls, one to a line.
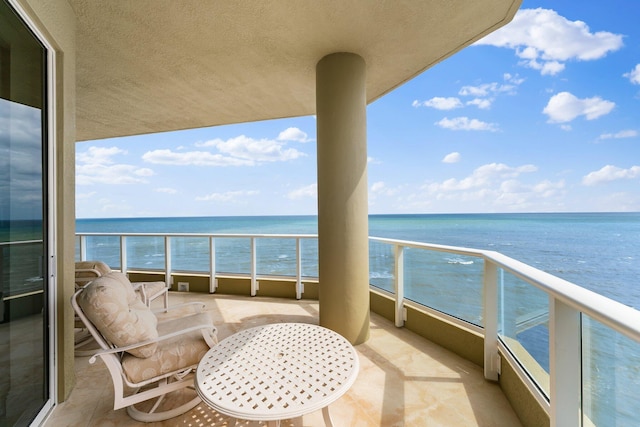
point(147, 298)
point(166, 383)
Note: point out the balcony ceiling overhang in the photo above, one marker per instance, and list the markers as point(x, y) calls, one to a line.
point(149, 66)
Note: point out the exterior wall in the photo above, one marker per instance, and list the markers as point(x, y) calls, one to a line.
point(525, 405)
point(460, 341)
point(56, 20)
point(231, 285)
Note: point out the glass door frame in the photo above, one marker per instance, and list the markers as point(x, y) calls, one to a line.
point(49, 208)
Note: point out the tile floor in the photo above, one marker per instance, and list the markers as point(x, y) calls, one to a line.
point(404, 380)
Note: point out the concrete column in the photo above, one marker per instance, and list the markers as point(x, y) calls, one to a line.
point(343, 227)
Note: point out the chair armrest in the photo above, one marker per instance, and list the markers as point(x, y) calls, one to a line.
point(151, 341)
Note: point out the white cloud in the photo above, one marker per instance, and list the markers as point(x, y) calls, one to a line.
point(310, 190)
point(228, 196)
point(516, 80)
point(193, 158)
point(96, 166)
point(565, 107)
point(486, 89)
point(98, 155)
point(373, 161)
point(451, 158)
point(293, 134)
point(610, 173)
point(483, 104)
point(633, 75)
point(618, 135)
point(485, 94)
point(534, 35)
point(493, 187)
point(440, 103)
point(380, 189)
point(113, 174)
point(464, 123)
point(166, 190)
point(513, 193)
point(254, 150)
point(482, 176)
point(377, 186)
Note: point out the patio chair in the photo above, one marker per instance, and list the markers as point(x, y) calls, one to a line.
point(86, 271)
point(146, 358)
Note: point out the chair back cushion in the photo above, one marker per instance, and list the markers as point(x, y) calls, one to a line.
point(91, 268)
point(86, 271)
point(110, 303)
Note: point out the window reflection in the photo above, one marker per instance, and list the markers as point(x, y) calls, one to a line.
point(24, 347)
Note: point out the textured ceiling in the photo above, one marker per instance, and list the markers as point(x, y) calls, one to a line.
point(157, 65)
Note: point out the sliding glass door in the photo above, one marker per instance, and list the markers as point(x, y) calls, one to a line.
point(24, 236)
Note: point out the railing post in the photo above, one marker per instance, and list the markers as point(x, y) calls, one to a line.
point(167, 260)
point(213, 282)
point(254, 282)
point(299, 288)
point(399, 285)
point(83, 248)
point(565, 361)
point(490, 320)
point(123, 254)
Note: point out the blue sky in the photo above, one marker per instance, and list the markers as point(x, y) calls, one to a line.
point(540, 116)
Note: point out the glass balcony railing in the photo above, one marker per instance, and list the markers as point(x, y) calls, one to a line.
point(570, 346)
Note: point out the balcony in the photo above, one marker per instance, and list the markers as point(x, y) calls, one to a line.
point(459, 336)
point(404, 379)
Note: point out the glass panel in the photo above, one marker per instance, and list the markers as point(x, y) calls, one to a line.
point(24, 387)
point(233, 255)
point(276, 256)
point(523, 325)
point(103, 248)
point(145, 252)
point(446, 282)
point(190, 254)
point(77, 256)
point(611, 376)
point(309, 257)
point(381, 265)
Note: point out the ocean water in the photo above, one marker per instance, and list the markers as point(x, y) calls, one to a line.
point(598, 251)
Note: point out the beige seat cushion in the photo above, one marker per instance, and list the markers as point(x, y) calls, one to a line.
point(113, 307)
point(172, 354)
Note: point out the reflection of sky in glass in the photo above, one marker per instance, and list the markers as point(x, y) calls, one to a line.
point(20, 161)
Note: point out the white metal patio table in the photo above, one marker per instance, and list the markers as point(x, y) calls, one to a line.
point(276, 372)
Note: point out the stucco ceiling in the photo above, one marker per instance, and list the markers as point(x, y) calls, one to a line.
point(157, 65)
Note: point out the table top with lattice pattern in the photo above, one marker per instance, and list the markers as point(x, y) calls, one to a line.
point(277, 371)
